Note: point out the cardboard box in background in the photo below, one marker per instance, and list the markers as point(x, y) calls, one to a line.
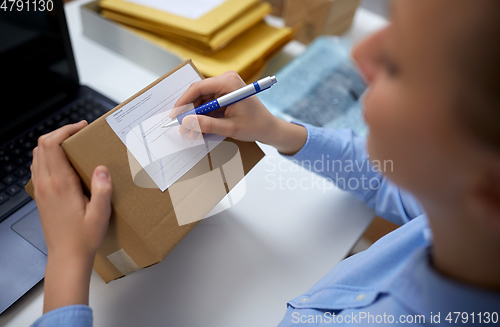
point(316, 17)
point(276, 7)
point(143, 227)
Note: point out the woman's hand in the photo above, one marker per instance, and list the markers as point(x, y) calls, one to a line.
point(247, 120)
point(74, 226)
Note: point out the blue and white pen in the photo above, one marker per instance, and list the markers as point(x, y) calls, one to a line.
point(226, 100)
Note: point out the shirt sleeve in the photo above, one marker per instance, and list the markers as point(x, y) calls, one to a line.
point(341, 157)
point(72, 315)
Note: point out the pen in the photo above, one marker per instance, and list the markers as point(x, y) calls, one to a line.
point(226, 100)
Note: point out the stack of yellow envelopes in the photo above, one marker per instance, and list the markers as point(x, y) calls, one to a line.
point(207, 33)
point(231, 35)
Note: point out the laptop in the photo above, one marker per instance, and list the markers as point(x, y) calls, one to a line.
point(40, 92)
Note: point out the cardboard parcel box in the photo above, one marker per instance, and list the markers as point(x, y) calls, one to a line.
point(318, 17)
point(143, 228)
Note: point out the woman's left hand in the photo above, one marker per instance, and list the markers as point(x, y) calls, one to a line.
point(74, 226)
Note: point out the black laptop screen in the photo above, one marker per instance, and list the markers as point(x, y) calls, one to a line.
point(36, 64)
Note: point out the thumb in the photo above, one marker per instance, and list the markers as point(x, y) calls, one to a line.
point(99, 207)
point(207, 124)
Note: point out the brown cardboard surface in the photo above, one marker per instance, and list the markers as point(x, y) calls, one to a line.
point(277, 7)
point(317, 17)
point(143, 228)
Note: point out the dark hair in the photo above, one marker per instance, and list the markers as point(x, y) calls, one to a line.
point(476, 56)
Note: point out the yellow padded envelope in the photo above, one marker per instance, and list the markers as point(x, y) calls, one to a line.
point(245, 55)
point(206, 25)
point(205, 44)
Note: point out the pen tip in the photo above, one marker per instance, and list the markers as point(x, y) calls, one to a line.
point(171, 123)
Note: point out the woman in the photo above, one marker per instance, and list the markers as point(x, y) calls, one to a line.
point(433, 109)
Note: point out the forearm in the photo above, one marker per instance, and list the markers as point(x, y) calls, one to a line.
point(341, 157)
point(67, 281)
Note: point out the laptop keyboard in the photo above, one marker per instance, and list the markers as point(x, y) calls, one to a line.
point(16, 156)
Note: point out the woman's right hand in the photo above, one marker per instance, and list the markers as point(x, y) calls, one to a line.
point(247, 120)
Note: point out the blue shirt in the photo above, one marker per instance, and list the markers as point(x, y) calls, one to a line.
point(72, 315)
point(391, 282)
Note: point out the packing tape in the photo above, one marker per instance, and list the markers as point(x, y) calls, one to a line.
point(123, 262)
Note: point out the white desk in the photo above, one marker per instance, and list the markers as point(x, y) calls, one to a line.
point(239, 267)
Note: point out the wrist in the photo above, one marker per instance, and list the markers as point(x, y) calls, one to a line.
point(288, 138)
point(271, 129)
point(71, 260)
point(67, 280)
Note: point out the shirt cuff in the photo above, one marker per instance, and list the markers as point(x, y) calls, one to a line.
point(77, 315)
point(308, 150)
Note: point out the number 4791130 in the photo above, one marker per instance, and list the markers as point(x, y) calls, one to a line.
point(478, 317)
point(27, 5)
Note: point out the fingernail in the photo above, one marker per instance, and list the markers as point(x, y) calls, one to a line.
point(193, 124)
point(102, 174)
